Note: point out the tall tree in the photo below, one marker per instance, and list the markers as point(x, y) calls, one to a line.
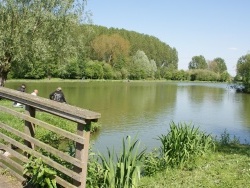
point(198, 62)
point(243, 69)
point(213, 66)
point(35, 32)
point(220, 64)
point(110, 48)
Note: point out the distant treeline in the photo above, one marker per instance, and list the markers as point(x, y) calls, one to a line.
point(111, 53)
point(49, 39)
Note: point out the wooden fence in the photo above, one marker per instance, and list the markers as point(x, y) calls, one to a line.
point(29, 143)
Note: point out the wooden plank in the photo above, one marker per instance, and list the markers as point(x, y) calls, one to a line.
point(45, 159)
point(64, 183)
point(14, 153)
point(82, 153)
point(12, 163)
point(45, 125)
point(42, 145)
point(29, 128)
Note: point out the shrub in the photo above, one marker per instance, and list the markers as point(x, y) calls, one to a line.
point(38, 174)
point(183, 143)
point(180, 147)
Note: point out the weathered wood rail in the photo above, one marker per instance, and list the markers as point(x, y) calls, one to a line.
point(81, 117)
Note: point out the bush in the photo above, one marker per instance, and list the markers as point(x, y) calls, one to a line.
point(203, 75)
point(181, 145)
point(38, 174)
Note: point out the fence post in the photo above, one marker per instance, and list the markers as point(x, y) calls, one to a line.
point(29, 127)
point(82, 152)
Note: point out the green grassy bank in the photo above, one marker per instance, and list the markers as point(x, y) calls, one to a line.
point(227, 167)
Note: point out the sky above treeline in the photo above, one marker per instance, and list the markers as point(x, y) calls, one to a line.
point(211, 28)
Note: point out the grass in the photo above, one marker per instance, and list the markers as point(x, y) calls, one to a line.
point(228, 166)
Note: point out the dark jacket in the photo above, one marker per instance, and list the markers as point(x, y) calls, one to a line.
point(21, 89)
point(57, 96)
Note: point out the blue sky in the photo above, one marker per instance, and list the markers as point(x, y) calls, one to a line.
point(212, 28)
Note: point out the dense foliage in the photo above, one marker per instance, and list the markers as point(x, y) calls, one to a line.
point(218, 65)
point(198, 62)
point(38, 175)
point(243, 71)
point(180, 148)
point(108, 54)
point(49, 39)
point(35, 36)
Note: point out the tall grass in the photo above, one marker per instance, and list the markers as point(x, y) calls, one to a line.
point(124, 170)
point(183, 143)
point(179, 148)
point(225, 139)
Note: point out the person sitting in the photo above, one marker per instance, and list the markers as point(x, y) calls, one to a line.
point(35, 92)
point(22, 89)
point(58, 95)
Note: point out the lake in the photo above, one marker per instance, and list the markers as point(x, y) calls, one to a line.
point(145, 109)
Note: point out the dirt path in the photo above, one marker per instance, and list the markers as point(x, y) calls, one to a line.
point(8, 181)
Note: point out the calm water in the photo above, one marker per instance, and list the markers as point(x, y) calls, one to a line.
point(145, 109)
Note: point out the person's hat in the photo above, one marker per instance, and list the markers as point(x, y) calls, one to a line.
point(59, 89)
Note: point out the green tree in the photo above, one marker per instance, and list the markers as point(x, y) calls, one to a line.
point(221, 64)
point(198, 62)
point(35, 33)
point(150, 45)
point(243, 70)
point(225, 76)
point(141, 67)
point(93, 70)
point(218, 65)
point(110, 48)
point(108, 72)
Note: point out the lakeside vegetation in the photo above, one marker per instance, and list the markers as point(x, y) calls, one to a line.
point(187, 157)
point(227, 166)
point(33, 48)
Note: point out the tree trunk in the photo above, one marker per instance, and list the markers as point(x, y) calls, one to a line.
point(5, 65)
point(3, 77)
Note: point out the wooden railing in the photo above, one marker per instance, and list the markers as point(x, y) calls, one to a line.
point(29, 145)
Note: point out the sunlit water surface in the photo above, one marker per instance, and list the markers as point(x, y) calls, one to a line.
point(145, 109)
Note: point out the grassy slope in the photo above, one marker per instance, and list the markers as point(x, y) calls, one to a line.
point(226, 167)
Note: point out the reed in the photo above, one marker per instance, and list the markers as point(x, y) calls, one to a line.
point(183, 143)
point(124, 170)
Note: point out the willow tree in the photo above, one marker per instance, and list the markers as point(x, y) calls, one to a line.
point(35, 32)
